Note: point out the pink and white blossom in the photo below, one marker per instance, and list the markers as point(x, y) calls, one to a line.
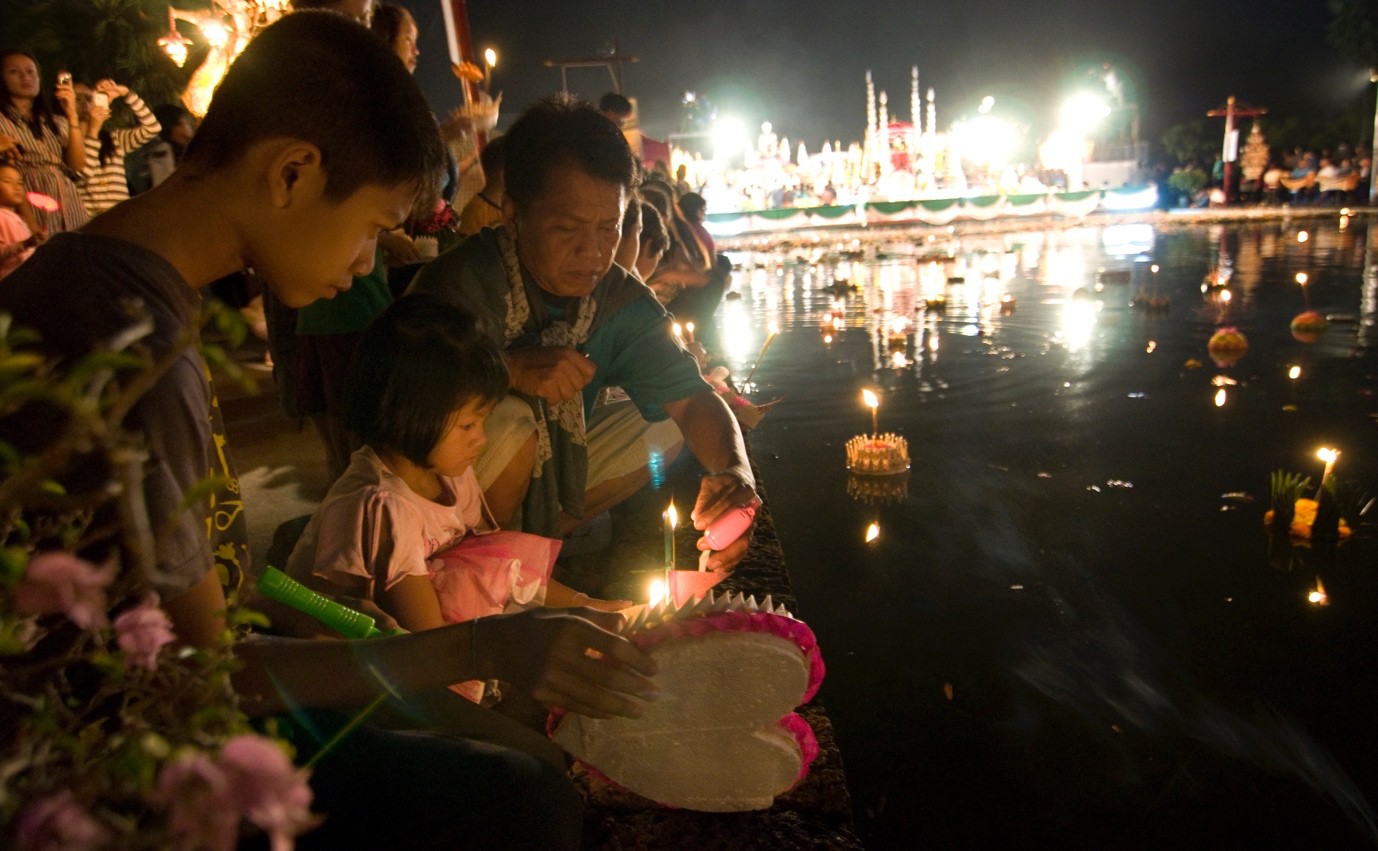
point(267, 788)
point(60, 582)
point(142, 631)
point(59, 823)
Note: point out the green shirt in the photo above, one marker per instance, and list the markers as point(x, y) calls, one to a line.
point(352, 311)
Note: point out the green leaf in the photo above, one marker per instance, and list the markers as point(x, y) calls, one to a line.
point(13, 562)
point(203, 490)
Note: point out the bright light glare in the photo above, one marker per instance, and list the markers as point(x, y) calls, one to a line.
point(1327, 454)
point(1294, 373)
point(1082, 112)
point(729, 138)
point(987, 140)
point(215, 34)
point(1220, 398)
point(1302, 278)
point(491, 57)
point(869, 397)
point(987, 103)
point(657, 592)
point(872, 532)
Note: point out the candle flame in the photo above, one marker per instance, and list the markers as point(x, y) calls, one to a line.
point(1327, 454)
point(1302, 278)
point(1153, 268)
point(872, 532)
point(1317, 596)
point(672, 516)
point(869, 397)
point(1152, 344)
point(657, 593)
point(678, 330)
point(491, 57)
point(689, 326)
point(1303, 236)
point(1220, 398)
point(1294, 373)
point(774, 329)
point(1225, 296)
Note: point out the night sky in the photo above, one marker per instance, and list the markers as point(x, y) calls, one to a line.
point(802, 64)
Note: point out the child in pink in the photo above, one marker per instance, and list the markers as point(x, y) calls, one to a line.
point(16, 240)
point(406, 525)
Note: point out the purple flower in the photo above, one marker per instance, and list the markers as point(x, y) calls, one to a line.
point(60, 582)
point(141, 632)
point(58, 823)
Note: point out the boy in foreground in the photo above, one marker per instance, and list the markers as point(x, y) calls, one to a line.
point(317, 140)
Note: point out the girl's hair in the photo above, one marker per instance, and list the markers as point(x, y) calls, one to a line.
point(386, 22)
point(421, 360)
point(42, 110)
point(654, 237)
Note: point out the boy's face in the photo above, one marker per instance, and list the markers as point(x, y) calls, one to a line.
point(314, 248)
point(11, 187)
point(463, 439)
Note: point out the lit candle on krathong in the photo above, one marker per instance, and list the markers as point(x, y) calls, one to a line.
point(689, 331)
point(678, 330)
point(671, 521)
point(1302, 279)
point(1303, 236)
point(879, 454)
point(1220, 398)
point(1317, 596)
point(658, 589)
point(1329, 456)
point(490, 61)
point(1294, 372)
point(872, 532)
point(770, 337)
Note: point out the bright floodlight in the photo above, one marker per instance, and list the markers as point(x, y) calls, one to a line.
point(728, 138)
point(987, 140)
point(987, 103)
point(1083, 111)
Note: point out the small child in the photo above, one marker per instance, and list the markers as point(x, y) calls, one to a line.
point(17, 242)
point(406, 525)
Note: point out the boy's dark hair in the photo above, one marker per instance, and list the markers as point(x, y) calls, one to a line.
point(492, 158)
point(613, 103)
point(654, 236)
point(562, 131)
point(691, 203)
point(421, 360)
point(324, 79)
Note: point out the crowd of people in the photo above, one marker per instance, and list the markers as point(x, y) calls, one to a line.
point(476, 407)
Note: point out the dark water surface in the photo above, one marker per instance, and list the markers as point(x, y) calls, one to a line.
point(1071, 632)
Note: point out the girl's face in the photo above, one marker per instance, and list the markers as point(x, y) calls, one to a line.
point(406, 43)
point(11, 187)
point(462, 440)
point(21, 76)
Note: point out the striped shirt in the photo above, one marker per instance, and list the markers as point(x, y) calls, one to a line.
point(106, 185)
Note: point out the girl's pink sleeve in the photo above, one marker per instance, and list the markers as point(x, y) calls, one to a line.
point(376, 536)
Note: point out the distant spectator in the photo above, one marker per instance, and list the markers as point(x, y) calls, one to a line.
point(484, 210)
point(17, 242)
point(616, 107)
point(655, 241)
point(359, 10)
point(396, 26)
point(106, 183)
point(153, 163)
point(46, 147)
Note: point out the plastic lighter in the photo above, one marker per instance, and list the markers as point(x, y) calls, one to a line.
point(730, 525)
point(276, 585)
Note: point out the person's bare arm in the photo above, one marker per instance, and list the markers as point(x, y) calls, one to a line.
point(551, 372)
point(712, 434)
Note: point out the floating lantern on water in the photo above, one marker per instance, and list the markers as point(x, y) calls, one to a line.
point(877, 454)
point(872, 533)
point(1317, 596)
point(1227, 346)
point(1303, 236)
point(1220, 397)
point(1307, 520)
point(898, 340)
point(1308, 326)
point(1329, 456)
point(1007, 304)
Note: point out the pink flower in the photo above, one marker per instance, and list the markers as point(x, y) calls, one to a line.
point(141, 632)
point(267, 788)
point(196, 792)
point(60, 582)
point(59, 823)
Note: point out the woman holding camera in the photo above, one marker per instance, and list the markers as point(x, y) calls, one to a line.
point(47, 148)
point(106, 183)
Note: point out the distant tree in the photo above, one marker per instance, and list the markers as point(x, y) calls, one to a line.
point(94, 40)
point(1193, 141)
point(1354, 31)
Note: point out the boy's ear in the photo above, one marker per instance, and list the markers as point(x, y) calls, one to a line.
point(294, 173)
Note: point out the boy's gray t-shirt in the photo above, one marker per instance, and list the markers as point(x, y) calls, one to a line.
point(80, 290)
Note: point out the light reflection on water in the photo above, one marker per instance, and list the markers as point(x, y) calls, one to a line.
point(1062, 552)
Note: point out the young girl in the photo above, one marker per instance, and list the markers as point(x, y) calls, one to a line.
point(406, 524)
point(105, 184)
point(16, 240)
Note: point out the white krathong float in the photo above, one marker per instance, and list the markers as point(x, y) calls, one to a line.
point(723, 736)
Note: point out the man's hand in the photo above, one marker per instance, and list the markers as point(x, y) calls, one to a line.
point(717, 494)
point(567, 658)
point(401, 251)
point(552, 373)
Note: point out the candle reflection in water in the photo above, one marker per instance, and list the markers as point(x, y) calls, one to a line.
point(872, 532)
point(1317, 596)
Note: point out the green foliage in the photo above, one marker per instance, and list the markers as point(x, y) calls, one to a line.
point(1194, 141)
point(1187, 182)
point(1354, 31)
point(1284, 490)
